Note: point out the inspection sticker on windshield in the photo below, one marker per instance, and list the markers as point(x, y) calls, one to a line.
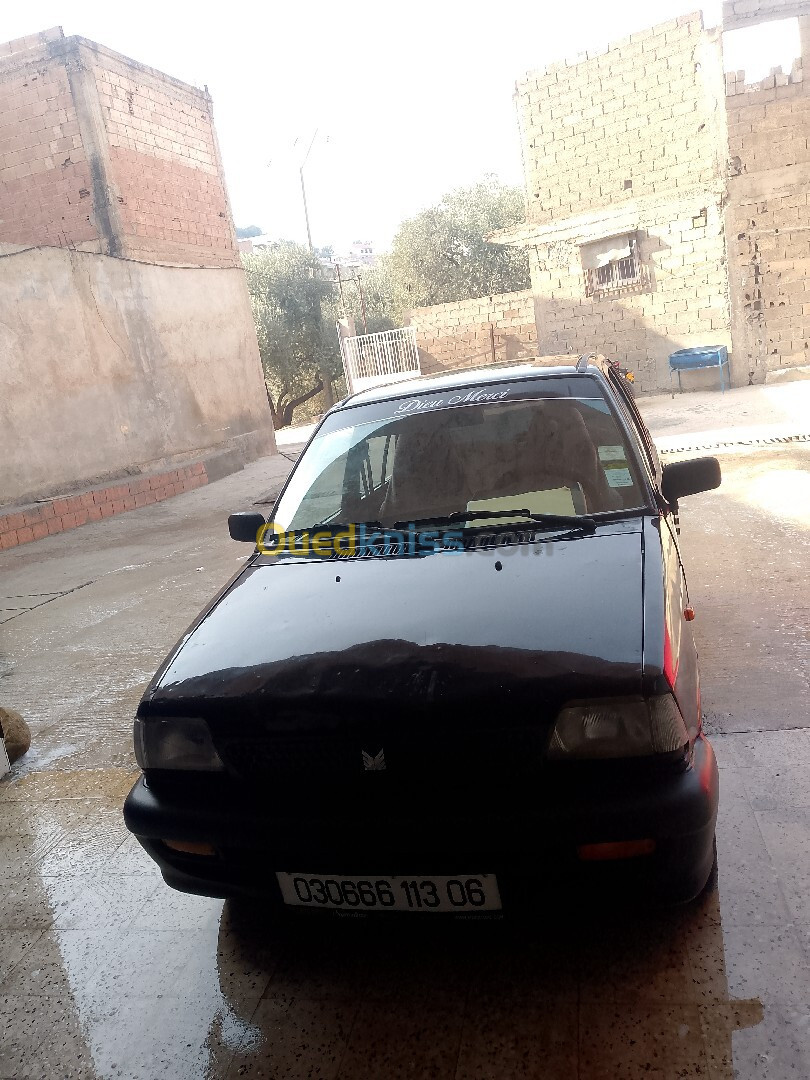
point(614, 462)
point(619, 478)
point(612, 453)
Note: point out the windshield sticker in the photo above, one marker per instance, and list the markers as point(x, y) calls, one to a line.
point(472, 397)
point(618, 478)
point(611, 453)
point(580, 388)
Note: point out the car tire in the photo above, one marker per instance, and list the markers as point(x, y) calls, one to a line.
point(711, 880)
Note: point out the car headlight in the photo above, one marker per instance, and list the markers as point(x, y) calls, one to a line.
point(618, 728)
point(175, 742)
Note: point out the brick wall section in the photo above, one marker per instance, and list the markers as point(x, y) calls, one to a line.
point(45, 187)
point(159, 193)
point(463, 334)
point(165, 165)
point(59, 515)
point(643, 112)
point(768, 219)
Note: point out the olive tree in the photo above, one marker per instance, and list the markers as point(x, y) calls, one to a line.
point(297, 339)
point(441, 254)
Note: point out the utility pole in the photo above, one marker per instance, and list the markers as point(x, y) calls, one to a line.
point(340, 289)
point(303, 187)
point(357, 281)
point(328, 392)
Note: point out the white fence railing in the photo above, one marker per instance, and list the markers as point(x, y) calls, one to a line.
point(374, 359)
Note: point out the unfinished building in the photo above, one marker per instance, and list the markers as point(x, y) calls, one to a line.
point(667, 202)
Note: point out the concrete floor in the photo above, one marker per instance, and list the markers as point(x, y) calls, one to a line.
point(104, 972)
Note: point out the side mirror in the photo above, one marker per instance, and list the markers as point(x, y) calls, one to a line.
point(244, 526)
point(689, 477)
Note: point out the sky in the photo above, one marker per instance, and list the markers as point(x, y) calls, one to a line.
point(408, 100)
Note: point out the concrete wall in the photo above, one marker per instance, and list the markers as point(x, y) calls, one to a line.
point(97, 375)
point(709, 175)
point(126, 335)
point(468, 333)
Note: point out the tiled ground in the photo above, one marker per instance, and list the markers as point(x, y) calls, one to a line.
point(104, 972)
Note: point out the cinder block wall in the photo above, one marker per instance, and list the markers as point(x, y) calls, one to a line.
point(682, 303)
point(768, 215)
point(630, 139)
point(468, 333)
point(739, 13)
point(639, 112)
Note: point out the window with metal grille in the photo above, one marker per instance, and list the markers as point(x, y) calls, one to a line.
point(611, 265)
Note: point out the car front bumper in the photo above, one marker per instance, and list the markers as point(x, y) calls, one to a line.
point(540, 843)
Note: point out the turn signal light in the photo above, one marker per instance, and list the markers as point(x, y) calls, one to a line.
point(622, 849)
point(190, 847)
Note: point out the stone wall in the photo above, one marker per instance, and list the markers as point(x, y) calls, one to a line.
point(468, 333)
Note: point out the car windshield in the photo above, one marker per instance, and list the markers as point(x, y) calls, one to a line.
point(556, 456)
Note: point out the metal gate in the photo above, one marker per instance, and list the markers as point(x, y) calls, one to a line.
point(374, 359)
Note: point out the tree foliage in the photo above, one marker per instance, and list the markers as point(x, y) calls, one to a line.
point(440, 255)
point(297, 339)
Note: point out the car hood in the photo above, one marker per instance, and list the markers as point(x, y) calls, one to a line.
point(524, 624)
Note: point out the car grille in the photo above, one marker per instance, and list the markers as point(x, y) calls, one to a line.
point(461, 754)
point(285, 756)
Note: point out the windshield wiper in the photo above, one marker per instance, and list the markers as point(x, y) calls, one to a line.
point(345, 525)
point(551, 520)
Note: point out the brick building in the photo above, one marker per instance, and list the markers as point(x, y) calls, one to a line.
point(666, 203)
point(125, 325)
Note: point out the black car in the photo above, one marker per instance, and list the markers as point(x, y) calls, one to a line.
point(458, 672)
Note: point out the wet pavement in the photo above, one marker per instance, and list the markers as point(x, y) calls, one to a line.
point(104, 972)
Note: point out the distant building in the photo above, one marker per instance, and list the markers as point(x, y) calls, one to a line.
point(362, 251)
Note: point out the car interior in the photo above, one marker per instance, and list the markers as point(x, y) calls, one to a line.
point(546, 456)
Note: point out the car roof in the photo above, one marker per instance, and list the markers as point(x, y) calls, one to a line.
point(492, 373)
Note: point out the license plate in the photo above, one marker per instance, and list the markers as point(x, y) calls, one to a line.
point(462, 894)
